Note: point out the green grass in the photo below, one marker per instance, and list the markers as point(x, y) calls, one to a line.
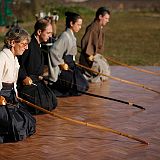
point(131, 37)
point(77, 9)
point(134, 38)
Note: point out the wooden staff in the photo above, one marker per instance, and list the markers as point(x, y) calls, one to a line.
point(118, 79)
point(132, 67)
point(135, 68)
point(95, 95)
point(113, 99)
point(81, 122)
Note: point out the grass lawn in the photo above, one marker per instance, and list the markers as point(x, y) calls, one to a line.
point(134, 38)
point(131, 37)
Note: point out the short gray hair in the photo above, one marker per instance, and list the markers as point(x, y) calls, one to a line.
point(17, 34)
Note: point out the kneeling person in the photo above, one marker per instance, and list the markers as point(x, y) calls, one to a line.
point(30, 87)
point(16, 123)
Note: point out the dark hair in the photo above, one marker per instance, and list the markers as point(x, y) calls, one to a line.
point(41, 24)
point(102, 11)
point(17, 34)
point(71, 17)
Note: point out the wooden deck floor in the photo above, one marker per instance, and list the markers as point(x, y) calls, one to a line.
point(58, 139)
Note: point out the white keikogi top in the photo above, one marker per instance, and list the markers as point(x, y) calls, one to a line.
point(9, 67)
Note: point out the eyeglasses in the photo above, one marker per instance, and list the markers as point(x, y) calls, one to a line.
point(23, 44)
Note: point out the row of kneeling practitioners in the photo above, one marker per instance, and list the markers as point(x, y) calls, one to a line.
point(22, 70)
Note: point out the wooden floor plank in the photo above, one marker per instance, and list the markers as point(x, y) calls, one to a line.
point(58, 139)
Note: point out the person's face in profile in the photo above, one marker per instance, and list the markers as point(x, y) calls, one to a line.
point(19, 47)
point(46, 34)
point(104, 19)
point(76, 26)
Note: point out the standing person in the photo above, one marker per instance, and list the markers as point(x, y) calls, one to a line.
point(67, 77)
point(16, 123)
point(30, 87)
point(92, 45)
